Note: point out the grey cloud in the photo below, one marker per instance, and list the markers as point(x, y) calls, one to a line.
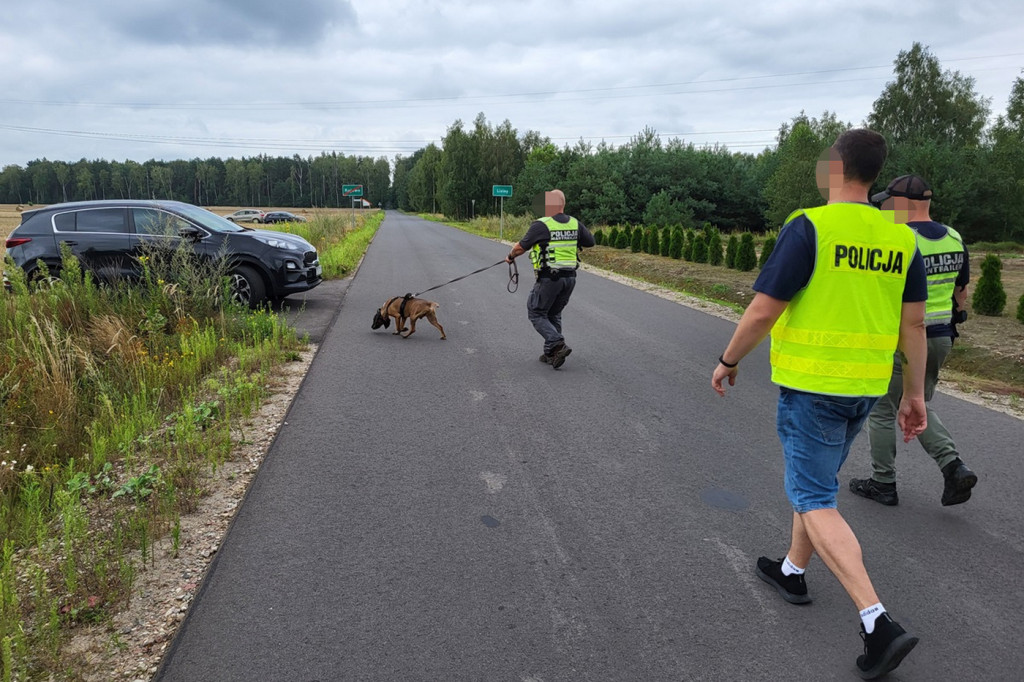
point(238, 23)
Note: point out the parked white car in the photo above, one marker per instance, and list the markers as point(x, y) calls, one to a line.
point(247, 215)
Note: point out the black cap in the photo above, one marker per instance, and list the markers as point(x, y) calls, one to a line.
point(911, 187)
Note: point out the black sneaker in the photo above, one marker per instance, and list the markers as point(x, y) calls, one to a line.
point(959, 481)
point(883, 493)
point(884, 648)
point(793, 588)
point(558, 355)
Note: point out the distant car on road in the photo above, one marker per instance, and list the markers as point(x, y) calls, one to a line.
point(247, 215)
point(109, 236)
point(282, 217)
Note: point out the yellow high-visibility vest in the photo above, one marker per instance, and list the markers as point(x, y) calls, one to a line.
point(943, 259)
point(838, 334)
point(560, 252)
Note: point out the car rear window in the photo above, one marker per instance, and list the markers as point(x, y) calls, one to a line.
point(64, 222)
point(103, 220)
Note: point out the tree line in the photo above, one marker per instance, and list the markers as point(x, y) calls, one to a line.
point(936, 124)
point(257, 181)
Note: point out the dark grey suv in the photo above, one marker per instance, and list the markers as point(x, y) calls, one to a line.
point(109, 236)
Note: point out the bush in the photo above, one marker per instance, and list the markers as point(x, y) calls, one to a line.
point(688, 245)
point(666, 242)
point(653, 243)
point(715, 248)
point(989, 296)
point(1020, 309)
point(599, 237)
point(730, 251)
point(675, 249)
point(637, 242)
point(623, 240)
point(766, 250)
point(700, 248)
point(746, 255)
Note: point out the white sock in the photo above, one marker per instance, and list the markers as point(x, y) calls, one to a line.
point(868, 616)
point(789, 568)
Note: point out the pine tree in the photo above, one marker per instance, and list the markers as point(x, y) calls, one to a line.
point(766, 250)
point(730, 251)
point(989, 296)
point(746, 255)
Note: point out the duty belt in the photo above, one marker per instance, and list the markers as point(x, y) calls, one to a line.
point(555, 274)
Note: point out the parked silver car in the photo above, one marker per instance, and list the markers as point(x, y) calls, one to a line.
point(247, 215)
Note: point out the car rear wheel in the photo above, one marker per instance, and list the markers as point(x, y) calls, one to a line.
point(247, 286)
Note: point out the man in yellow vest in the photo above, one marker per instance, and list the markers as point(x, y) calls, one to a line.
point(553, 243)
point(908, 200)
point(841, 291)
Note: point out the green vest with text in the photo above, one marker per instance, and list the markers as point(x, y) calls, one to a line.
point(838, 334)
point(559, 252)
point(943, 259)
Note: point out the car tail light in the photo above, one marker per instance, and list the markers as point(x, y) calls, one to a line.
point(16, 241)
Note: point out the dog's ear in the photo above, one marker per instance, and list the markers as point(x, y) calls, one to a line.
point(387, 321)
point(379, 321)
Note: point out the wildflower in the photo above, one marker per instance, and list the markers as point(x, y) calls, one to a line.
point(29, 468)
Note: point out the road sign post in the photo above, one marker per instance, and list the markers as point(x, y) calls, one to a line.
point(352, 191)
point(501, 191)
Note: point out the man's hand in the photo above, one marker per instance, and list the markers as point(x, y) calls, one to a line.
point(719, 375)
point(912, 418)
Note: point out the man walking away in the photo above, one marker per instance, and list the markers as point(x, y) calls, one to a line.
point(553, 243)
point(908, 199)
point(842, 289)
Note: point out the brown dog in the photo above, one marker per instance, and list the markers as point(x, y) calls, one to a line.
point(404, 308)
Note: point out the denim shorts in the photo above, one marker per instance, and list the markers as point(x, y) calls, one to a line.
point(816, 432)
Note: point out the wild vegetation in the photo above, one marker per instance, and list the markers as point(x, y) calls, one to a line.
point(113, 403)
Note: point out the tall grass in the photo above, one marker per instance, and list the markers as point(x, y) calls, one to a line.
point(113, 401)
point(338, 244)
point(489, 226)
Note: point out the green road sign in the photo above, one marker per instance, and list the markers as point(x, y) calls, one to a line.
point(356, 190)
point(501, 190)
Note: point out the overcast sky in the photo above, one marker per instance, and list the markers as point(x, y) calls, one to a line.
point(144, 79)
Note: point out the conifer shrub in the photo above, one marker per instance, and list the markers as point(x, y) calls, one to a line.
point(624, 239)
point(675, 249)
point(766, 250)
point(1020, 309)
point(746, 255)
point(599, 237)
point(700, 248)
point(715, 248)
point(730, 251)
point(653, 242)
point(666, 242)
point(613, 237)
point(989, 296)
point(688, 245)
point(637, 242)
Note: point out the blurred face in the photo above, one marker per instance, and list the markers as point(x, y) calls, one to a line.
point(897, 208)
point(828, 173)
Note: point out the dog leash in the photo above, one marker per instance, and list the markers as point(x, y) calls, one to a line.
point(513, 278)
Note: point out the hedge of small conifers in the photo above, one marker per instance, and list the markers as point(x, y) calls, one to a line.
point(697, 246)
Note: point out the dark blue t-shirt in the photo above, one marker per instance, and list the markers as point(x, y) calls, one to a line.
point(791, 264)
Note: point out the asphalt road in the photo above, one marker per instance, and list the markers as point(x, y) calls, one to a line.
point(456, 510)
